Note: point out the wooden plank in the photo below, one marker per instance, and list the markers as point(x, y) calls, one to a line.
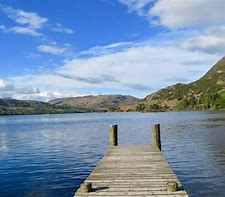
point(132, 171)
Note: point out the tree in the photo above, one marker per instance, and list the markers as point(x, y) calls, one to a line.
point(140, 107)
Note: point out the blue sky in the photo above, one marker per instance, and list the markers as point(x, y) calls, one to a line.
point(55, 49)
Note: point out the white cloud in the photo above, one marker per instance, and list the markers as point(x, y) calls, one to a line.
point(101, 50)
point(29, 23)
point(42, 96)
point(138, 6)
point(211, 42)
point(27, 92)
point(2, 84)
point(61, 29)
point(5, 87)
point(25, 30)
point(8, 89)
point(118, 45)
point(21, 17)
point(54, 49)
point(176, 14)
point(138, 70)
point(51, 49)
point(146, 65)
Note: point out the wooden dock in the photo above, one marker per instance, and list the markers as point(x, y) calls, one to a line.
point(138, 171)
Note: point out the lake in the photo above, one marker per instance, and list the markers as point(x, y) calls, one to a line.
point(50, 155)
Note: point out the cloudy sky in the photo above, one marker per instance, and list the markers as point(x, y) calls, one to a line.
point(55, 48)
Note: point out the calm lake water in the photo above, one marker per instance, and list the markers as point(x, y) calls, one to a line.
point(50, 155)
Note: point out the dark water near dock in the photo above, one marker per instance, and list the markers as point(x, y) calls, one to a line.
point(50, 155)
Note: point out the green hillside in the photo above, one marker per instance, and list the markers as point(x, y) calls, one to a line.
point(207, 93)
point(10, 106)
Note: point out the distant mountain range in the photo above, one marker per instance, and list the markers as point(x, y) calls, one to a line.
point(207, 93)
point(9, 106)
point(101, 103)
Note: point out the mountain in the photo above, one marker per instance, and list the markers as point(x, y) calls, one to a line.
point(9, 106)
point(207, 93)
point(97, 103)
point(13, 106)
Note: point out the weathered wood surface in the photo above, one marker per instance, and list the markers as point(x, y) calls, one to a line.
point(132, 171)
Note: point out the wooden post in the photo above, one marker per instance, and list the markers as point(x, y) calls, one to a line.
point(86, 187)
point(156, 135)
point(113, 138)
point(172, 186)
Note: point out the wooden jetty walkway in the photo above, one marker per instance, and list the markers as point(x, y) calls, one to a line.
point(138, 171)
